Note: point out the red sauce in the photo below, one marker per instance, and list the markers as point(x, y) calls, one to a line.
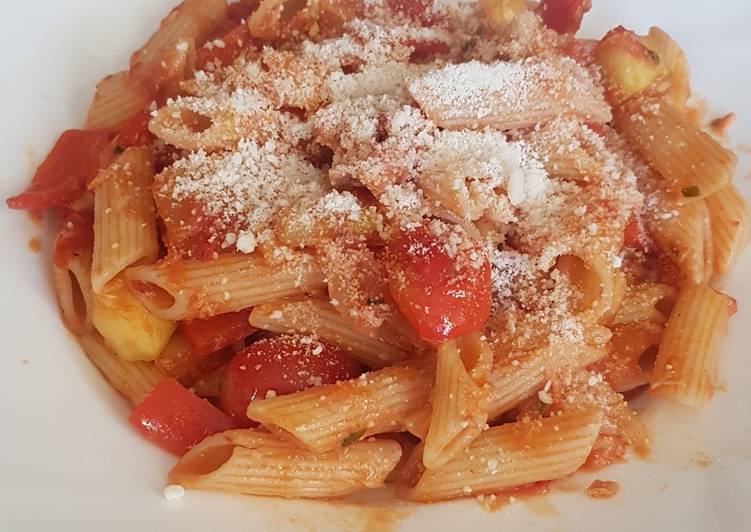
point(602, 489)
point(35, 245)
point(526, 492)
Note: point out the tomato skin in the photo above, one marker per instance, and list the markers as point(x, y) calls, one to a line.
point(239, 11)
point(136, 131)
point(439, 301)
point(284, 364)
point(76, 236)
point(217, 332)
point(234, 41)
point(635, 235)
point(62, 177)
point(563, 16)
point(175, 419)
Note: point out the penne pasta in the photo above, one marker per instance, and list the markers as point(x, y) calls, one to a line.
point(124, 217)
point(459, 399)
point(133, 380)
point(686, 366)
point(673, 59)
point(514, 378)
point(731, 221)
point(686, 238)
point(118, 97)
point(324, 321)
point(512, 455)
point(324, 418)
point(186, 289)
point(254, 462)
point(508, 95)
point(691, 162)
point(74, 294)
point(648, 302)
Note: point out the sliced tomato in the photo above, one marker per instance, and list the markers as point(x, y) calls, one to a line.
point(75, 236)
point(441, 296)
point(62, 177)
point(232, 44)
point(563, 16)
point(281, 365)
point(136, 131)
point(218, 332)
point(176, 419)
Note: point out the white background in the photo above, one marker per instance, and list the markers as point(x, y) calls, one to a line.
point(68, 459)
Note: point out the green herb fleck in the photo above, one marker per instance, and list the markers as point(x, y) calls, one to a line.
point(691, 192)
point(353, 438)
point(118, 149)
point(375, 301)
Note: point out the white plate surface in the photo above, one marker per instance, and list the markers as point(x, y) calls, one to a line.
point(68, 459)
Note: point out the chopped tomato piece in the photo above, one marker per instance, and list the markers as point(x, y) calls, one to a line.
point(224, 50)
point(176, 419)
point(281, 365)
point(62, 177)
point(136, 131)
point(76, 235)
point(426, 50)
point(563, 16)
point(441, 295)
point(215, 333)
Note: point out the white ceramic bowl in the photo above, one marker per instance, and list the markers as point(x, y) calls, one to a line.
point(69, 460)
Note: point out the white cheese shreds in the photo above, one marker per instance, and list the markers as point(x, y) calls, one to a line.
point(174, 492)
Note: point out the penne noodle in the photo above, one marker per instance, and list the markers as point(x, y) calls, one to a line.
point(185, 289)
point(730, 219)
point(326, 417)
point(323, 320)
point(687, 362)
point(254, 462)
point(118, 97)
point(74, 294)
point(645, 302)
point(691, 162)
point(459, 398)
point(512, 455)
point(125, 230)
point(673, 59)
point(686, 238)
point(193, 19)
point(515, 378)
point(133, 380)
point(509, 95)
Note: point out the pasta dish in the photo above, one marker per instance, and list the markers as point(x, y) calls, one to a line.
point(322, 246)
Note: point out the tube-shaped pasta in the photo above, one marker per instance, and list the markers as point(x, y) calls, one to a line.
point(193, 19)
point(324, 418)
point(133, 380)
point(509, 95)
point(692, 163)
point(74, 293)
point(645, 302)
point(254, 462)
point(514, 378)
point(512, 455)
point(124, 216)
point(185, 289)
point(118, 97)
point(673, 59)
point(687, 362)
point(686, 238)
point(459, 398)
point(598, 285)
point(323, 320)
point(731, 222)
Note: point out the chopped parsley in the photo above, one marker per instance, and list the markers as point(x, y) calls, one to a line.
point(353, 438)
point(691, 192)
